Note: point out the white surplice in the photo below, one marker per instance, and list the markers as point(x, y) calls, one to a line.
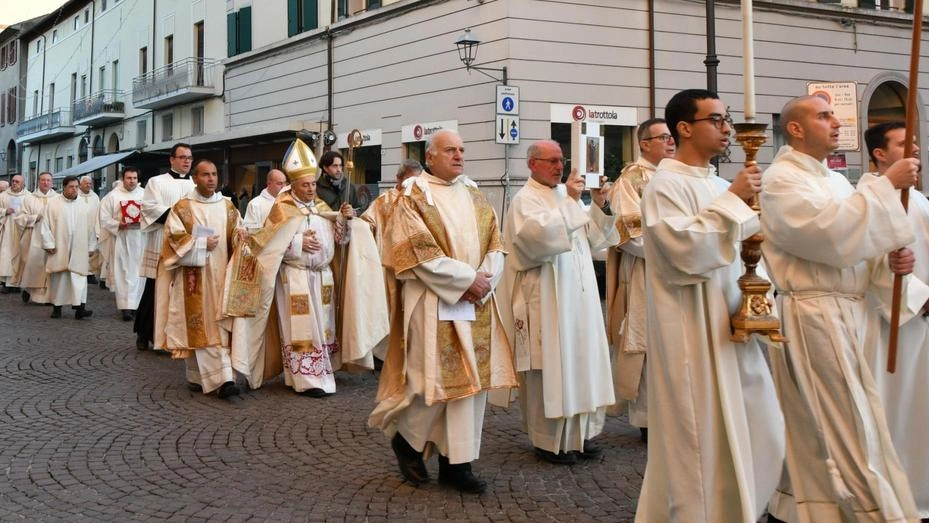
point(906, 391)
point(717, 442)
point(550, 308)
point(824, 248)
point(32, 276)
point(161, 192)
point(125, 258)
point(258, 209)
point(626, 298)
point(9, 233)
point(68, 227)
point(93, 201)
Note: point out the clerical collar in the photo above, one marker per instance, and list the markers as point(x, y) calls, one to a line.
point(177, 175)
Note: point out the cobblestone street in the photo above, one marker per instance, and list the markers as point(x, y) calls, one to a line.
point(93, 430)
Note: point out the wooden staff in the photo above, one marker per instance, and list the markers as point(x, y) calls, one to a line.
point(911, 97)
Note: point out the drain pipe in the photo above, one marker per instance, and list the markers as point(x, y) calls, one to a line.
point(651, 58)
point(329, 39)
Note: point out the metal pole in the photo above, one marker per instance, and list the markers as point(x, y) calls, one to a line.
point(711, 62)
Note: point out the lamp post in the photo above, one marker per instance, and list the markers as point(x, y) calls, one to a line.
point(467, 53)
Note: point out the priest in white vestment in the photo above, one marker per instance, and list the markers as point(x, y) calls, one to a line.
point(625, 276)
point(260, 206)
point(11, 201)
point(120, 214)
point(906, 391)
point(551, 309)
point(32, 276)
point(443, 242)
point(825, 246)
point(69, 238)
point(89, 197)
point(161, 192)
point(716, 444)
point(199, 235)
point(105, 240)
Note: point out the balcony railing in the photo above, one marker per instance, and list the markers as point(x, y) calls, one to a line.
point(49, 121)
point(191, 76)
point(100, 103)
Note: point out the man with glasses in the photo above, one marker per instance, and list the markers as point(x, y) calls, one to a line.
point(550, 305)
point(161, 192)
point(716, 430)
point(826, 247)
point(625, 266)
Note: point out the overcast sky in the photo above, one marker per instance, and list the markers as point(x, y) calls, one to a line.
point(12, 11)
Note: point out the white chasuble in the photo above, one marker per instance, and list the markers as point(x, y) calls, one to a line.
point(32, 275)
point(68, 227)
point(716, 436)
point(824, 248)
point(10, 204)
point(550, 306)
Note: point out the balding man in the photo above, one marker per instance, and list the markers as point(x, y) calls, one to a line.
point(11, 201)
point(444, 244)
point(260, 206)
point(825, 248)
point(551, 307)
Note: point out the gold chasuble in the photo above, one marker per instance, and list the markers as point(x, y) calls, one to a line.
point(196, 276)
point(460, 363)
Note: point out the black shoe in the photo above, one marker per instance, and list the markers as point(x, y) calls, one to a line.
point(141, 343)
point(82, 312)
point(460, 477)
point(590, 451)
point(102, 284)
point(26, 297)
point(227, 390)
point(562, 458)
point(315, 393)
point(56, 311)
point(92, 280)
point(410, 461)
point(127, 315)
point(643, 435)
point(9, 290)
point(194, 387)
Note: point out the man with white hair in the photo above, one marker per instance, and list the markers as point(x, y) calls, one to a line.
point(11, 201)
point(32, 276)
point(260, 206)
point(4, 185)
point(89, 197)
point(443, 242)
point(120, 213)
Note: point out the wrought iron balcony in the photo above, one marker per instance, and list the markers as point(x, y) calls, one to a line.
point(49, 126)
point(185, 81)
point(100, 108)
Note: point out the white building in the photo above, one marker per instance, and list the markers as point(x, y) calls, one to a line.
point(394, 72)
point(119, 76)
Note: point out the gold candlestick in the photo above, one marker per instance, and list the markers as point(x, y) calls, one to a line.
point(754, 315)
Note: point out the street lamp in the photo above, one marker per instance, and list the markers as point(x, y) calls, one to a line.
point(467, 53)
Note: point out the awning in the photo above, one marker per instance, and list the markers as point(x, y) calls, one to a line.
point(95, 163)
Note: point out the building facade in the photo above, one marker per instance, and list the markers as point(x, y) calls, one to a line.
point(394, 73)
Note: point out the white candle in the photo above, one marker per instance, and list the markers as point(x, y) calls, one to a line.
point(748, 60)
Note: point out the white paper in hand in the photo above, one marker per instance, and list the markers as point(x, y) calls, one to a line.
point(461, 311)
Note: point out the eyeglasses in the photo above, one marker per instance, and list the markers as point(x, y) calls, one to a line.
point(661, 137)
point(553, 161)
point(717, 120)
point(183, 157)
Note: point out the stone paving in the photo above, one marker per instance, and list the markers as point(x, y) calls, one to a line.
point(93, 430)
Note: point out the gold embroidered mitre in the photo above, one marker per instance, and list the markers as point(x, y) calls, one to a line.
point(299, 161)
